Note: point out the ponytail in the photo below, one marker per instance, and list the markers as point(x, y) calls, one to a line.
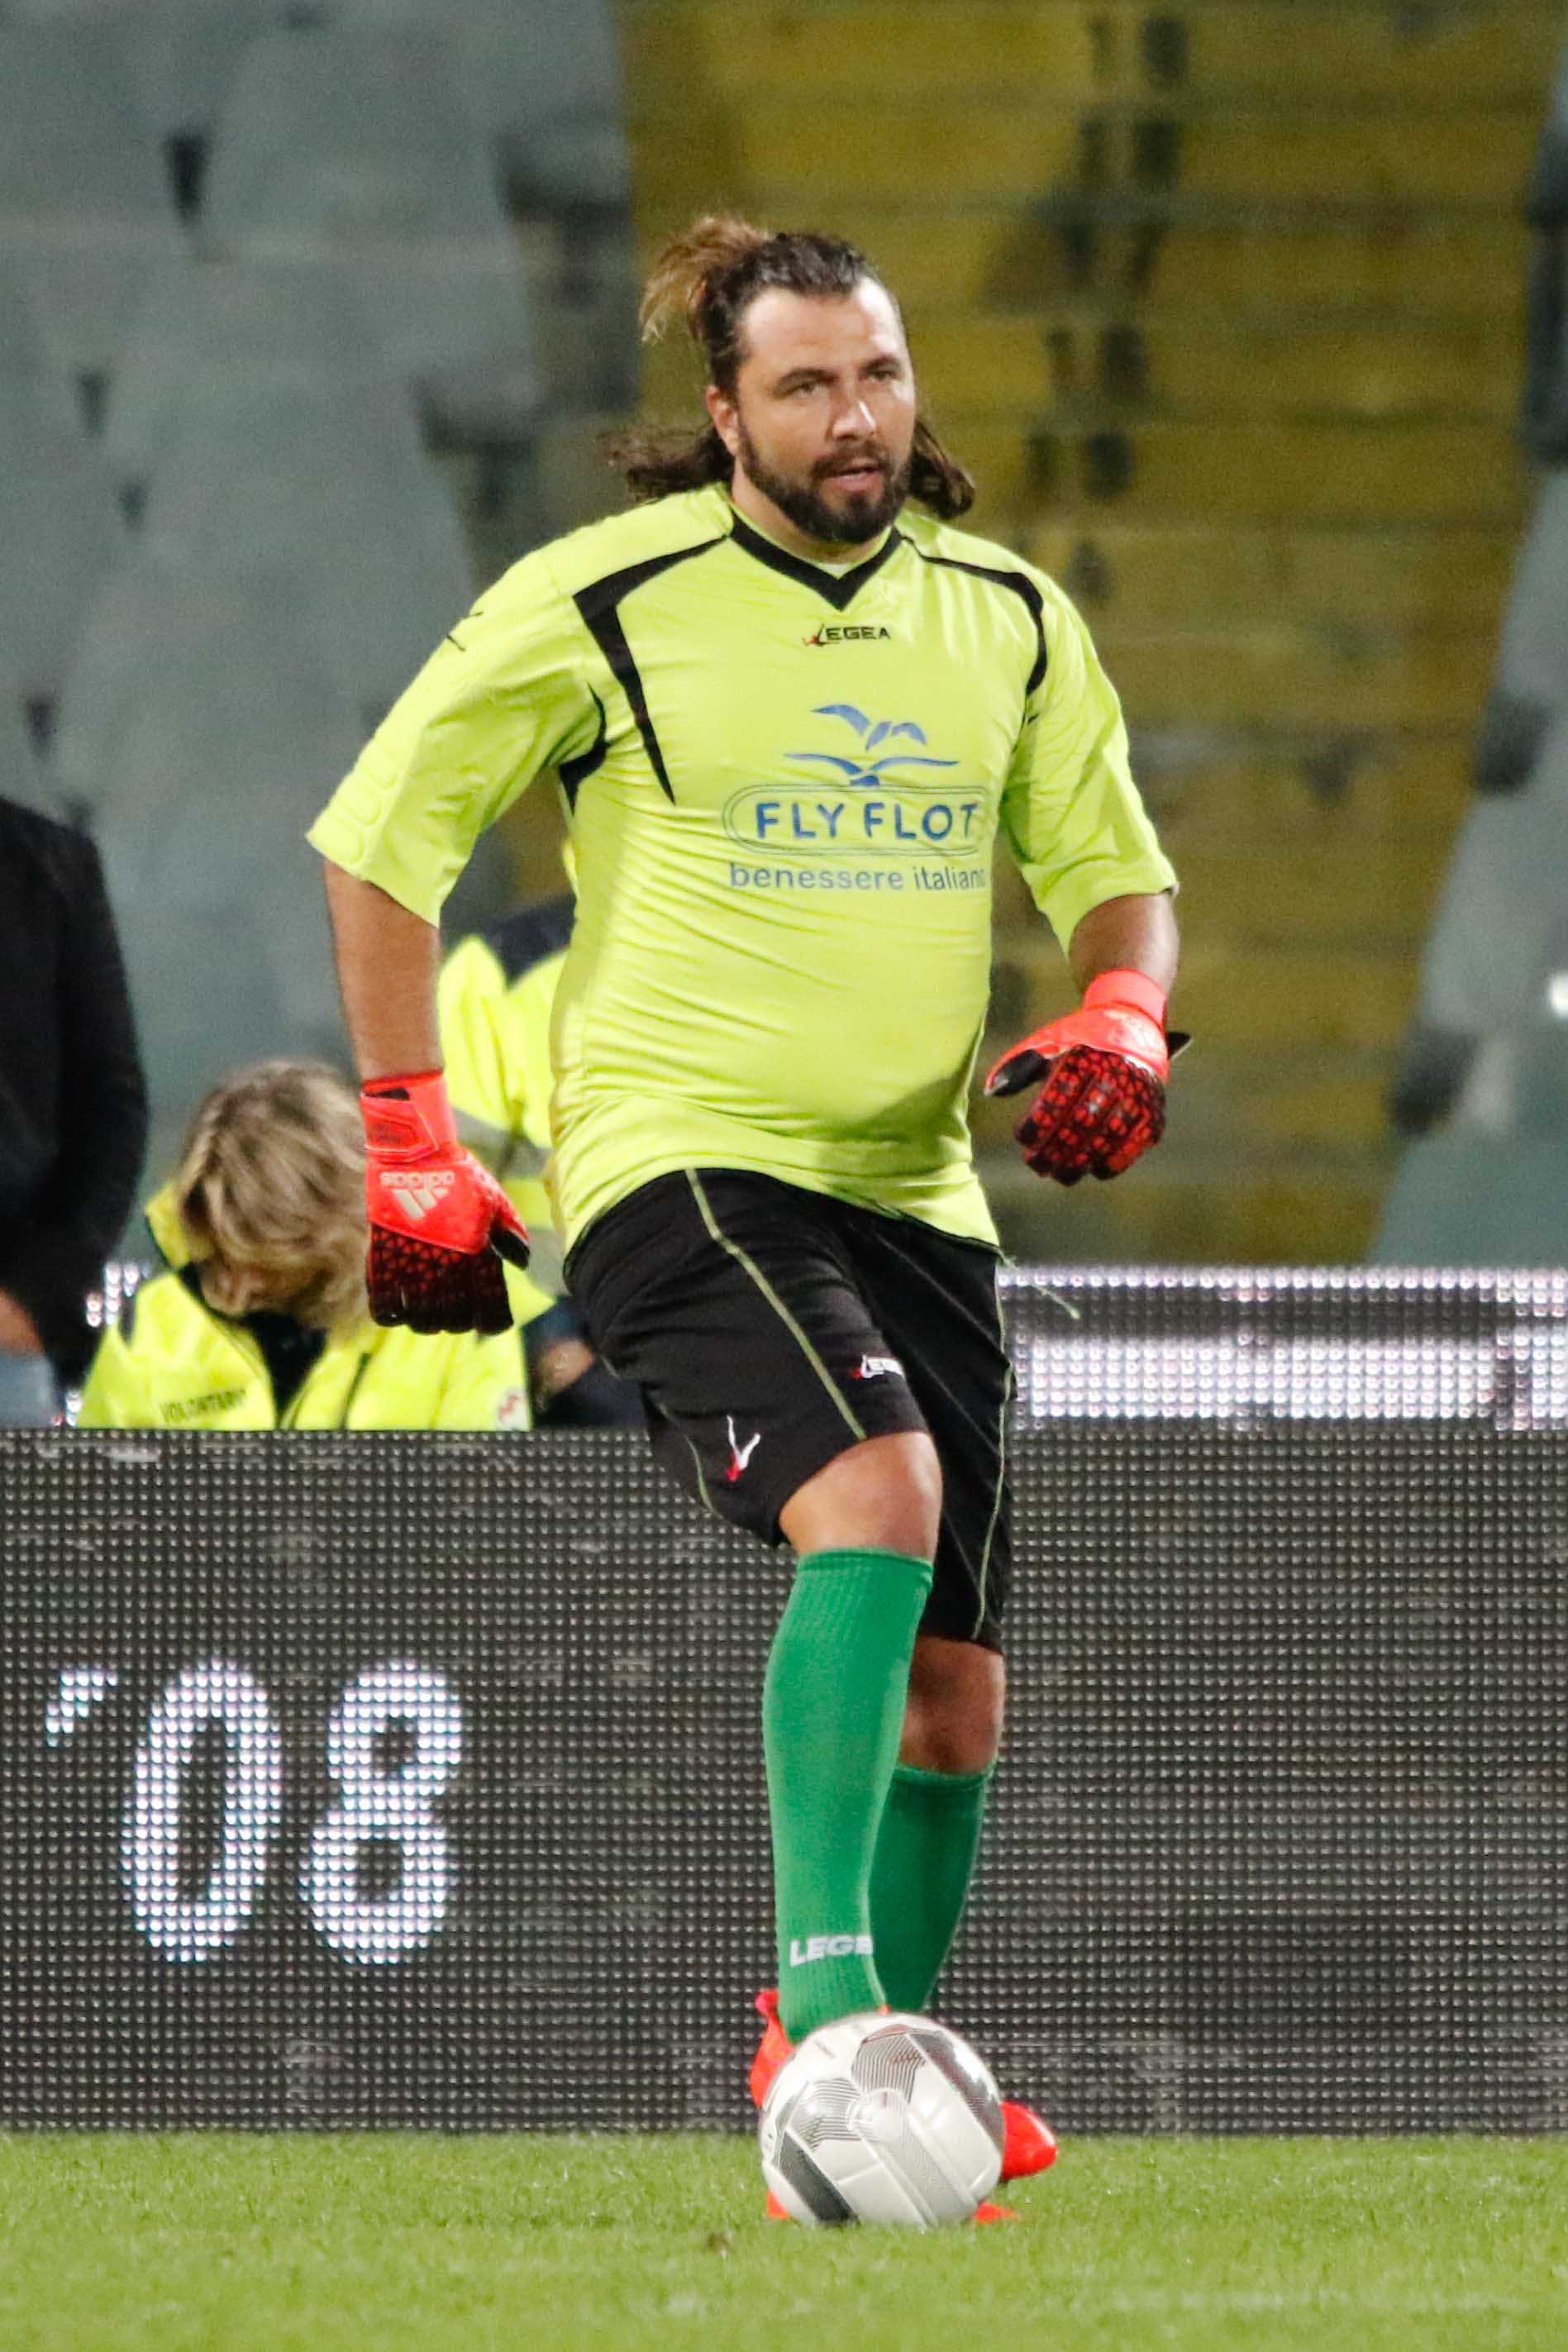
point(708, 278)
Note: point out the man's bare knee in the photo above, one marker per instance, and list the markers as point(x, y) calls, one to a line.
point(883, 1494)
point(953, 1721)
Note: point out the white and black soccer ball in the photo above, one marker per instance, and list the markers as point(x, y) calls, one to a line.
point(882, 2117)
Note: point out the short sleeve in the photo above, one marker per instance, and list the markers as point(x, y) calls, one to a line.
point(1071, 811)
point(503, 697)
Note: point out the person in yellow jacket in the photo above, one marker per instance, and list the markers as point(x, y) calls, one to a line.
point(494, 1000)
point(260, 1321)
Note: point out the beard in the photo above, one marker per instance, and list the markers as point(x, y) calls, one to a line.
point(845, 521)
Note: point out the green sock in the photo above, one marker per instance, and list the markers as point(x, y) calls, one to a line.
point(832, 1710)
point(925, 1856)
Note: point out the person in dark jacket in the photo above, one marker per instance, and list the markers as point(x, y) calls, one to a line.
point(73, 1105)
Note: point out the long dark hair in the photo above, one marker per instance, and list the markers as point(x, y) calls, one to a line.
point(710, 278)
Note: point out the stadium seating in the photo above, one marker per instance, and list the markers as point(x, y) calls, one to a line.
point(1541, 1062)
point(181, 54)
point(1531, 682)
point(357, 149)
point(86, 205)
point(23, 776)
point(1460, 1200)
point(202, 729)
point(1482, 961)
point(538, 85)
point(1543, 411)
point(336, 139)
point(205, 323)
point(1492, 942)
point(1508, 1096)
point(332, 493)
point(456, 327)
point(183, 679)
point(1503, 888)
point(59, 529)
point(544, 82)
point(76, 157)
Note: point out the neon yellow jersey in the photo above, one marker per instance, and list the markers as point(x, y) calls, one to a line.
point(494, 1001)
point(784, 786)
point(173, 1363)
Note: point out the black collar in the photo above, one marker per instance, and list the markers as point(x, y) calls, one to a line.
point(836, 588)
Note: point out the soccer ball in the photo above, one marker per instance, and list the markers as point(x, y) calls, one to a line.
point(882, 2117)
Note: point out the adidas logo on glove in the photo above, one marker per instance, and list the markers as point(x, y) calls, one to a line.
point(417, 1194)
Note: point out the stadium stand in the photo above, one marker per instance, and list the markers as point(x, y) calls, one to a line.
point(331, 138)
point(1500, 901)
point(544, 81)
point(1455, 1202)
point(201, 711)
point(1527, 689)
point(180, 56)
point(333, 497)
point(1492, 1029)
point(59, 524)
point(1220, 303)
point(23, 775)
point(1530, 685)
point(275, 292)
point(453, 330)
point(77, 158)
point(86, 207)
point(1485, 1037)
point(1544, 418)
point(542, 85)
point(205, 324)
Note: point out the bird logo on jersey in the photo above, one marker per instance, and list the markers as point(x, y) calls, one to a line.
point(866, 772)
point(873, 803)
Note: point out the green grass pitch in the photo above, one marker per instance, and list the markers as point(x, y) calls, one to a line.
point(227, 2243)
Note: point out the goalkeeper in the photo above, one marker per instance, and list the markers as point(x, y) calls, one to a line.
point(790, 709)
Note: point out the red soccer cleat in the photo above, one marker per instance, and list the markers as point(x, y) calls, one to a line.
point(1029, 2144)
point(773, 2048)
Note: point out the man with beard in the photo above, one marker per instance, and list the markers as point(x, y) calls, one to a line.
point(789, 716)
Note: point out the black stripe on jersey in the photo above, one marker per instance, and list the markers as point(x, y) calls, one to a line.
point(572, 772)
point(601, 608)
point(1021, 586)
point(838, 589)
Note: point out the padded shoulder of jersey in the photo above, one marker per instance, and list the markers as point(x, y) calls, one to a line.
point(940, 540)
point(663, 527)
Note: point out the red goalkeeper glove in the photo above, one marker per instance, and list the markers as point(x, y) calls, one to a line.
point(437, 1219)
point(1102, 1101)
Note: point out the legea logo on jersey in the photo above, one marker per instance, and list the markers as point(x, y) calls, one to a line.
point(883, 804)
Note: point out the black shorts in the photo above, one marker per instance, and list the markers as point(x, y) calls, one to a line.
point(771, 1328)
